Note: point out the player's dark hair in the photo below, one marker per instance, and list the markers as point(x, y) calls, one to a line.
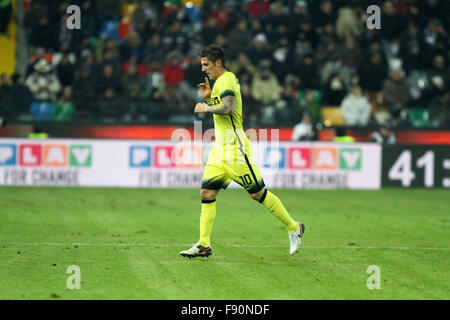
point(213, 52)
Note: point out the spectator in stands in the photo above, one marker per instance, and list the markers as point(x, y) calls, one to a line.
point(142, 15)
point(88, 62)
point(224, 15)
point(253, 106)
point(221, 41)
point(108, 50)
point(157, 105)
point(373, 74)
point(439, 110)
point(258, 8)
point(210, 31)
point(85, 92)
point(325, 52)
point(243, 68)
point(384, 135)
point(43, 82)
point(153, 50)
point(326, 15)
point(287, 105)
point(5, 16)
point(173, 78)
point(304, 130)
point(153, 27)
point(436, 88)
point(396, 93)
point(131, 46)
point(135, 108)
point(410, 34)
point(37, 55)
point(193, 73)
point(300, 12)
point(132, 79)
point(334, 90)
point(439, 70)
point(355, 108)
point(141, 69)
point(333, 67)
point(238, 39)
point(88, 19)
point(6, 98)
point(309, 101)
point(259, 49)
point(175, 39)
point(276, 17)
point(66, 36)
point(411, 57)
point(373, 46)
point(327, 36)
point(109, 105)
point(433, 8)
point(256, 27)
point(305, 33)
point(109, 59)
point(265, 86)
point(43, 34)
point(66, 71)
point(173, 71)
point(308, 73)
point(434, 40)
point(350, 54)
point(281, 31)
point(108, 79)
point(108, 10)
point(193, 76)
point(64, 108)
point(195, 45)
point(392, 23)
point(22, 96)
point(347, 23)
point(282, 58)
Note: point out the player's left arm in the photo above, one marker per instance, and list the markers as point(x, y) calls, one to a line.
point(227, 107)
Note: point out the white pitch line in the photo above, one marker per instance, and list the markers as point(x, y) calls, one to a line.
point(112, 244)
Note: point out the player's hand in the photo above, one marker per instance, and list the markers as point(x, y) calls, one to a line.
point(205, 89)
point(201, 108)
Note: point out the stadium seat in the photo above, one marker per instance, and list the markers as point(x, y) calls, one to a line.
point(41, 111)
point(332, 116)
point(109, 29)
point(419, 118)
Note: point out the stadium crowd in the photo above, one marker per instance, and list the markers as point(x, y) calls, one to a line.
point(137, 61)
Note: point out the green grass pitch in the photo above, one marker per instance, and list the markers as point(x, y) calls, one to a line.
point(127, 242)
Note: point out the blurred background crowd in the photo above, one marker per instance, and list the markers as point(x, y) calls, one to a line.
point(297, 60)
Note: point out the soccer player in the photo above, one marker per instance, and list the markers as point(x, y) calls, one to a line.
point(230, 159)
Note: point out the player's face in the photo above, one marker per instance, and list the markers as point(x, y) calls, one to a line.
point(211, 69)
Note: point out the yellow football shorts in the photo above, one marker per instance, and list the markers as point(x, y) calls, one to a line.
point(236, 166)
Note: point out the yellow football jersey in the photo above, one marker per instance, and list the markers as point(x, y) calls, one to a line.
point(229, 132)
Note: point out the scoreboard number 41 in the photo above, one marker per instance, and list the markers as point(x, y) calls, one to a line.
point(416, 168)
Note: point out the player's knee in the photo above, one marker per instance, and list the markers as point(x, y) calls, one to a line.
point(254, 196)
point(206, 194)
point(258, 195)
